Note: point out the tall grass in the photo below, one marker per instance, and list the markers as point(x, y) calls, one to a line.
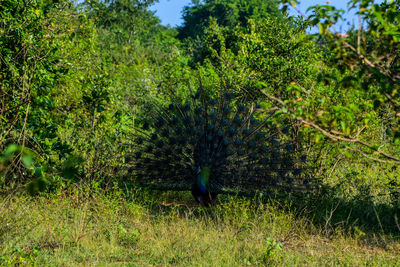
point(86, 226)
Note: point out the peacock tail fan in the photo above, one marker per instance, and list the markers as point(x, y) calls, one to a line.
point(244, 148)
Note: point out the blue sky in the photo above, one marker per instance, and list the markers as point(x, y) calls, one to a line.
point(169, 11)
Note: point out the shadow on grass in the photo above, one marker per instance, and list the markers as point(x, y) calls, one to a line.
point(325, 209)
point(358, 213)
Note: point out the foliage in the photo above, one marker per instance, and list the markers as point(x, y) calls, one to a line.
point(268, 52)
point(33, 35)
point(65, 92)
point(367, 60)
point(226, 13)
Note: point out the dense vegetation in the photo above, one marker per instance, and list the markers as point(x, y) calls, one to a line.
point(75, 80)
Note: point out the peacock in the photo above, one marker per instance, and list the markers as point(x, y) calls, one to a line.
point(213, 145)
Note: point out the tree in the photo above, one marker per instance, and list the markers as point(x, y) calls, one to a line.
point(368, 65)
point(45, 48)
point(227, 14)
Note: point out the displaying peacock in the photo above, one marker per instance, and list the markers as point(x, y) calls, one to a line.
point(216, 145)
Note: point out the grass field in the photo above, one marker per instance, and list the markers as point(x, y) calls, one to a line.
point(88, 227)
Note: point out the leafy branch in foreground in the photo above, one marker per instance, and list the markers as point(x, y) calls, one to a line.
point(335, 135)
point(369, 53)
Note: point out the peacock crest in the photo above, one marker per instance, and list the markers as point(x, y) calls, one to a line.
point(217, 145)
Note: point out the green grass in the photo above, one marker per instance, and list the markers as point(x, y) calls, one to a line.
point(88, 227)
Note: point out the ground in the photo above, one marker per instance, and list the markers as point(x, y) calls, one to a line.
point(82, 227)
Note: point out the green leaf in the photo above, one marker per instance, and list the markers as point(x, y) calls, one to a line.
point(27, 161)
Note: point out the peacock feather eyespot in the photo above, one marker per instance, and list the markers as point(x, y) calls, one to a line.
point(146, 126)
point(226, 141)
point(228, 96)
point(159, 123)
point(289, 161)
point(190, 130)
point(232, 130)
point(139, 140)
point(241, 152)
point(153, 137)
point(182, 140)
point(241, 108)
point(290, 147)
point(261, 135)
point(251, 144)
point(227, 110)
point(201, 133)
point(165, 132)
point(237, 120)
point(212, 101)
point(198, 110)
point(200, 121)
point(174, 120)
point(275, 142)
point(238, 141)
point(172, 140)
point(246, 131)
point(159, 144)
point(252, 166)
point(149, 148)
point(212, 115)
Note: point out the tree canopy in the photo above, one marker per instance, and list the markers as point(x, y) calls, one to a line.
point(196, 17)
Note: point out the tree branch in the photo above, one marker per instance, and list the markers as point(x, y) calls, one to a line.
point(333, 136)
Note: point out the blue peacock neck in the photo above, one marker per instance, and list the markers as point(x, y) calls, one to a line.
point(202, 178)
point(199, 191)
